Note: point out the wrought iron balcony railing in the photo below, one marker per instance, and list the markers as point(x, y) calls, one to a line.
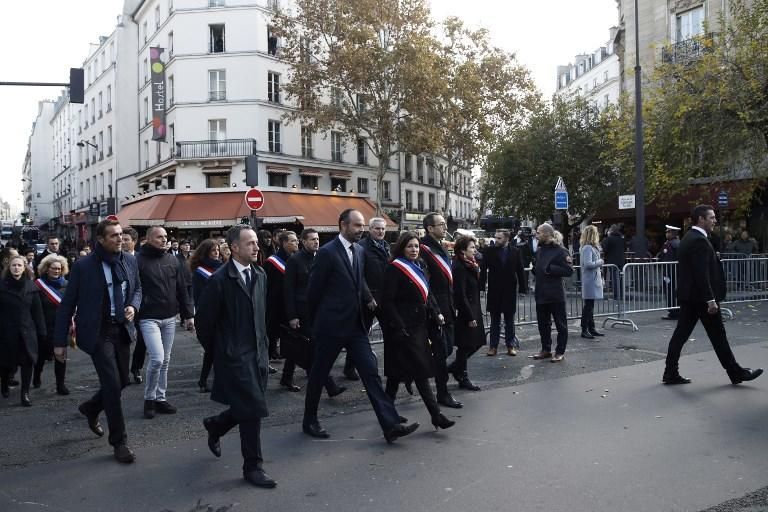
point(188, 150)
point(689, 50)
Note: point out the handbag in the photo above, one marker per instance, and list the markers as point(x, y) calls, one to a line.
point(295, 347)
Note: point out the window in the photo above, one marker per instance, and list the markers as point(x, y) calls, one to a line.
point(95, 147)
point(337, 99)
point(170, 44)
point(172, 133)
point(171, 179)
point(362, 185)
point(146, 154)
point(85, 114)
point(273, 4)
point(430, 173)
point(420, 169)
point(306, 142)
point(146, 71)
point(277, 180)
point(690, 24)
point(362, 106)
point(146, 110)
point(336, 155)
point(216, 44)
point(170, 7)
point(217, 180)
point(271, 41)
point(273, 87)
point(420, 201)
point(386, 190)
point(157, 152)
point(93, 110)
point(112, 55)
point(109, 98)
point(170, 91)
point(215, 3)
point(157, 17)
point(338, 184)
point(88, 190)
point(100, 188)
point(273, 136)
point(101, 105)
point(101, 145)
point(408, 166)
point(144, 29)
point(606, 101)
point(408, 200)
point(594, 83)
point(431, 202)
point(217, 129)
point(362, 151)
point(109, 140)
point(217, 85)
point(309, 182)
point(605, 76)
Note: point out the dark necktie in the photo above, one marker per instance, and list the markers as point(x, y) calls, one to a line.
point(504, 254)
point(247, 273)
point(117, 297)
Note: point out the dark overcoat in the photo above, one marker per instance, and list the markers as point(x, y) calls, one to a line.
point(231, 321)
point(440, 284)
point(700, 276)
point(22, 324)
point(295, 289)
point(275, 300)
point(407, 355)
point(504, 278)
point(551, 267)
point(49, 313)
point(466, 296)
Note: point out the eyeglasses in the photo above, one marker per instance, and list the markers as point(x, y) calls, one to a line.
point(440, 224)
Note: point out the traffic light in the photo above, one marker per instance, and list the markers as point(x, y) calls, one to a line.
point(252, 171)
point(76, 85)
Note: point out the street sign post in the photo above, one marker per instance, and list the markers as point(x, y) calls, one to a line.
point(561, 195)
point(722, 199)
point(254, 199)
point(627, 202)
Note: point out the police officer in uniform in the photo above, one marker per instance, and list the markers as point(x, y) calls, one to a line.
point(669, 272)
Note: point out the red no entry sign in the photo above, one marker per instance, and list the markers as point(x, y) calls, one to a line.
point(254, 199)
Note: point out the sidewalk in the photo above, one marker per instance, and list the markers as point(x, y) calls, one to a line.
point(611, 440)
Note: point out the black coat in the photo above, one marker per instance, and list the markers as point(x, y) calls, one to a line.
point(295, 284)
point(439, 284)
point(503, 279)
point(22, 325)
point(613, 250)
point(551, 267)
point(49, 313)
point(700, 275)
point(407, 354)
point(466, 294)
point(376, 262)
point(164, 285)
point(230, 321)
point(275, 300)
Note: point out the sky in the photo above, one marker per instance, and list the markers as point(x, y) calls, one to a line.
point(44, 38)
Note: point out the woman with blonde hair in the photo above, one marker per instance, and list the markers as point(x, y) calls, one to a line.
point(591, 280)
point(52, 286)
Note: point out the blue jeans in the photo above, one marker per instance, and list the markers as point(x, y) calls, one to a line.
point(158, 336)
point(509, 330)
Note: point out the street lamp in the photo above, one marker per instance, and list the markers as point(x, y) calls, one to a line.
point(83, 143)
point(639, 243)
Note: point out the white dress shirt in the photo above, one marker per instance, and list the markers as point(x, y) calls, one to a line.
point(700, 230)
point(241, 270)
point(348, 246)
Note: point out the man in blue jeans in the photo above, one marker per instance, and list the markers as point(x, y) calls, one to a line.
point(165, 293)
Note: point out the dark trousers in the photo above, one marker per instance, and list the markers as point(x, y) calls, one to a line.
point(690, 314)
point(459, 366)
point(509, 329)
point(442, 347)
point(545, 313)
point(289, 368)
point(670, 290)
point(588, 315)
point(425, 390)
point(207, 365)
point(59, 370)
point(26, 377)
point(139, 352)
point(327, 349)
point(250, 437)
point(615, 276)
point(110, 359)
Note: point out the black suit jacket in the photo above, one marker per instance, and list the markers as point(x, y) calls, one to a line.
point(613, 249)
point(505, 279)
point(699, 273)
point(376, 262)
point(295, 284)
point(337, 294)
point(439, 284)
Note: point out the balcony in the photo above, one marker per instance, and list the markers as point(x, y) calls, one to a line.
point(689, 50)
point(217, 95)
point(191, 150)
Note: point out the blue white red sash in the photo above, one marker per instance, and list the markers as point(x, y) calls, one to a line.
point(205, 272)
point(445, 266)
point(277, 262)
point(415, 274)
point(53, 294)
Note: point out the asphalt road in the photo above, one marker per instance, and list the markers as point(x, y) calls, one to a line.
point(538, 437)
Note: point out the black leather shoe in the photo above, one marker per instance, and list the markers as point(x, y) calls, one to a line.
point(149, 409)
point(124, 454)
point(214, 439)
point(399, 431)
point(746, 374)
point(587, 335)
point(335, 390)
point(272, 370)
point(203, 387)
point(25, 401)
point(93, 421)
point(596, 333)
point(259, 478)
point(465, 383)
point(439, 421)
point(315, 430)
point(289, 385)
point(402, 419)
point(61, 389)
point(674, 379)
point(164, 407)
point(13, 382)
point(137, 377)
point(447, 400)
point(351, 374)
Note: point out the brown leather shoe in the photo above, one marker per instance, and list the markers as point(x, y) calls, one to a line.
point(541, 355)
point(511, 351)
point(491, 352)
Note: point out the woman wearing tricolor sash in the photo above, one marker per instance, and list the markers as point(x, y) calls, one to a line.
point(203, 263)
point(52, 286)
point(408, 309)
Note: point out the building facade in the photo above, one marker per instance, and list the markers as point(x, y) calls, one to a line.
point(38, 167)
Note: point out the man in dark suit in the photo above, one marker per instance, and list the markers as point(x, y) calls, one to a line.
point(51, 247)
point(337, 296)
point(504, 264)
point(105, 290)
point(700, 289)
point(613, 248)
point(231, 322)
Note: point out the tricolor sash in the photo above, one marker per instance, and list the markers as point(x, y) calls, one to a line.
point(205, 272)
point(277, 262)
point(51, 293)
point(415, 274)
point(445, 266)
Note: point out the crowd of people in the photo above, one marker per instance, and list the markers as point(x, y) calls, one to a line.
point(255, 299)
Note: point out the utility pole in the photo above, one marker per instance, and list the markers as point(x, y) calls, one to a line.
point(639, 242)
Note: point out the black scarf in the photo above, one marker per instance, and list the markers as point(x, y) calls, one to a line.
point(211, 264)
point(15, 284)
point(114, 260)
point(152, 252)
